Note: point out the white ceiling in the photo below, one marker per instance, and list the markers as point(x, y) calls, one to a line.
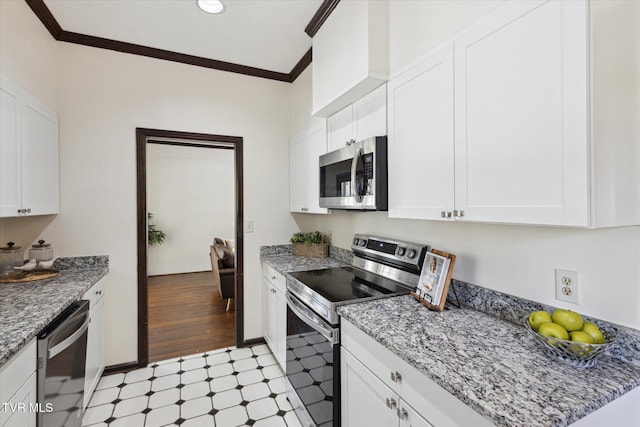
point(267, 34)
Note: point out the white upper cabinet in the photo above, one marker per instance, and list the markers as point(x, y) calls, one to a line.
point(365, 118)
point(421, 172)
point(304, 168)
point(28, 154)
point(521, 115)
point(539, 130)
point(350, 55)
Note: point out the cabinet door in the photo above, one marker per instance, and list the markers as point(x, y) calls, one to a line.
point(268, 314)
point(95, 350)
point(366, 401)
point(280, 319)
point(298, 174)
point(370, 115)
point(23, 401)
point(521, 115)
point(340, 129)
point(421, 140)
point(317, 146)
point(410, 418)
point(10, 194)
point(39, 161)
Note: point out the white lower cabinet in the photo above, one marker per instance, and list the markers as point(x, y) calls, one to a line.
point(378, 388)
point(18, 382)
point(95, 339)
point(367, 401)
point(274, 312)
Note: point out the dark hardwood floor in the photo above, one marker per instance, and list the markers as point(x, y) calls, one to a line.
point(187, 316)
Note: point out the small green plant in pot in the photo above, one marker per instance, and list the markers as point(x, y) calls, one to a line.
point(156, 237)
point(312, 244)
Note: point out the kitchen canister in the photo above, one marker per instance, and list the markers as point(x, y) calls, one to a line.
point(41, 252)
point(10, 256)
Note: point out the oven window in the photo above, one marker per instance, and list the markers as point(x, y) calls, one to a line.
point(310, 369)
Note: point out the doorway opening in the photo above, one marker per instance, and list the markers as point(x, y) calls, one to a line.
point(166, 138)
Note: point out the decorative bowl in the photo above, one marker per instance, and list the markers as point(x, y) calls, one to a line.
point(577, 354)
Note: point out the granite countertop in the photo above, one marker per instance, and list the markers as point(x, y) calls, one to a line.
point(492, 365)
point(26, 308)
point(289, 263)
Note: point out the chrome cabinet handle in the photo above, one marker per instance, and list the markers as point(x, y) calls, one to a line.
point(458, 213)
point(396, 377)
point(445, 214)
point(391, 403)
point(98, 292)
point(402, 413)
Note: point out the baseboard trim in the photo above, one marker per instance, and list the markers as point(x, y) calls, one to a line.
point(121, 367)
point(252, 341)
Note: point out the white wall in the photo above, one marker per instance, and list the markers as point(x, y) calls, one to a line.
point(191, 193)
point(518, 260)
point(101, 97)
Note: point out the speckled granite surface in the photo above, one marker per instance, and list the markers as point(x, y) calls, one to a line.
point(26, 308)
point(491, 364)
point(275, 250)
point(288, 263)
point(514, 309)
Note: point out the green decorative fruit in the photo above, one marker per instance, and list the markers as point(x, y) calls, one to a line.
point(537, 318)
point(554, 330)
point(593, 331)
point(579, 336)
point(569, 320)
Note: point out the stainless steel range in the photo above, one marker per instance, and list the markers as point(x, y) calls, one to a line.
point(381, 268)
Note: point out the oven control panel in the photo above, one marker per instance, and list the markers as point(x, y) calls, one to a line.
point(393, 250)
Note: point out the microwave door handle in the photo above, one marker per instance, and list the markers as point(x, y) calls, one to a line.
point(354, 169)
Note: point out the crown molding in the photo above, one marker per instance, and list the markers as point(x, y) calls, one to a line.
point(321, 15)
point(51, 24)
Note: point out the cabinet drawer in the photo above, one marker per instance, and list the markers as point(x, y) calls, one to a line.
point(95, 293)
point(276, 278)
point(17, 371)
point(411, 385)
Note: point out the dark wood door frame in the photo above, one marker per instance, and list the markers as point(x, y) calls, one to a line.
point(143, 136)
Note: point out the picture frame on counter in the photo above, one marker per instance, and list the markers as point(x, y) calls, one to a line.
point(435, 278)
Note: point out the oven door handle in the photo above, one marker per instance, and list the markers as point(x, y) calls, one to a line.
point(311, 319)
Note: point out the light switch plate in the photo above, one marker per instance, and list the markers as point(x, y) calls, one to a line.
point(248, 226)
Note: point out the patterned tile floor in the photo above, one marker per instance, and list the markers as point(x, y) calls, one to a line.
point(223, 388)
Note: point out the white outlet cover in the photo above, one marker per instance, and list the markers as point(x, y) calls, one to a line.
point(567, 285)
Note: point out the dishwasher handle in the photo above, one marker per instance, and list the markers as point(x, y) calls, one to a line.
point(67, 342)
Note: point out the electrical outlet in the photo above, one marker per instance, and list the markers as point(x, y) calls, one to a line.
point(567, 285)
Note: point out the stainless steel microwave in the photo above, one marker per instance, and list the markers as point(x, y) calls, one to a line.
point(355, 177)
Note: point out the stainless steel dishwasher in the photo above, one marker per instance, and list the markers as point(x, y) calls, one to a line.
point(62, 350)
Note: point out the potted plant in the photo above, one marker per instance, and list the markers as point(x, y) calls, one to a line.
point(312, 244)
point(156, 237)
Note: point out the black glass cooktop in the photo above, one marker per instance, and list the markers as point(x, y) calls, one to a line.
point(343, 284)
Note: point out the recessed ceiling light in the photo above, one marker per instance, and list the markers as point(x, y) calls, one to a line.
point(211, 6)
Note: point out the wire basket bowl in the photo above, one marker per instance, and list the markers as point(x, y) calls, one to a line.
point(577, 354)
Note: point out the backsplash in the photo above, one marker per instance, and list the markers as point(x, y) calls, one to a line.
point(515, 310)
point(81, 262)
point(339, 254)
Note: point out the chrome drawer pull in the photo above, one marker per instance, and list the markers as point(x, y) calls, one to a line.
point(396, 377)
point(391, 403)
